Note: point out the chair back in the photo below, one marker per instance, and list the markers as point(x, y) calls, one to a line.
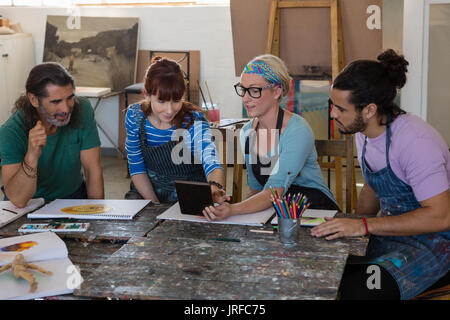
point(228, 146)
point(340, 149)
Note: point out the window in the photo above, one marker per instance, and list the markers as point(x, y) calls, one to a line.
point(68, 3)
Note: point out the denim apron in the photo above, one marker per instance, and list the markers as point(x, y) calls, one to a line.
point(415, 262)
point(162, 170)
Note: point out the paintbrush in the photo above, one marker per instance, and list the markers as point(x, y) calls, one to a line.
point(201, 93)
point(209, 94)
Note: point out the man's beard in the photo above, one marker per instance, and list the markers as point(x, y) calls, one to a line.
point(357, 126)
point(52, 118)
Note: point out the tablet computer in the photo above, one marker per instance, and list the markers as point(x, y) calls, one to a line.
point(193, 196)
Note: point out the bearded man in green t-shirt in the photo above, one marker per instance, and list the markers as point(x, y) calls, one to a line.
point(51, 135)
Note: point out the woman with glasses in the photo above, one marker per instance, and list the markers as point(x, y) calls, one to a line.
point(154, 127)
point(278, 145)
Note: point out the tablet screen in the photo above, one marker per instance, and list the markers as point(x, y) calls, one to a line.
point(193, 196)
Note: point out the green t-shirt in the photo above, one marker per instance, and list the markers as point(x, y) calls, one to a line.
point(59, 167)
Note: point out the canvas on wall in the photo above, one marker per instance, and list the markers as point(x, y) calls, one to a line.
point(98, 51)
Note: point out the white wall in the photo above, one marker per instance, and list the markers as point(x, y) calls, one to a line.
point(413, 43)
point(203, 28)
point(393, 24)
point(438, 93)
point(426, 47)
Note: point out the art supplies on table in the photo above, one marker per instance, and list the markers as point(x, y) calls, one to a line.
point(54, 227)
point(90, 209)
point(44, 250)
point(296, 207)
point(252, 219)
point(288, 232)
point(193, 196)
point(9, 212)
point(289, 206)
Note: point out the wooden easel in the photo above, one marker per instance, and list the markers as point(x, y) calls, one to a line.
point(337, 61)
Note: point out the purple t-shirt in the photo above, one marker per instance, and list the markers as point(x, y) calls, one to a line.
point(418, 155)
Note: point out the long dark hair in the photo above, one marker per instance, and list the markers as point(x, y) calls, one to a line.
point(375, 82)
point(38, 79)
point(164, 78)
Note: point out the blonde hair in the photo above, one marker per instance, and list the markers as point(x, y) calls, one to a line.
point(279, 67)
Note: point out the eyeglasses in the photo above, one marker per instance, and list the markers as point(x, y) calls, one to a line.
point(253, 92)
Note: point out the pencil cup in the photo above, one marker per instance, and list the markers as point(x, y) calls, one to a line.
point(288, 230)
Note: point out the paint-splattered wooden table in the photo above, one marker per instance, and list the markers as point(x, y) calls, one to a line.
point(184, 260)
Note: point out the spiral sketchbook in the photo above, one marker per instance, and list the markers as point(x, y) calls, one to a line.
point(90, 209)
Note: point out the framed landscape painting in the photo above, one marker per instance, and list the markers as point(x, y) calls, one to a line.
point(97, 51)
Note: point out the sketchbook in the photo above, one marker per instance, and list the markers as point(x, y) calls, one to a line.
point(9, 212)
point(252, 219)
point(90, 209)
point(312, 217)
point(46, 250)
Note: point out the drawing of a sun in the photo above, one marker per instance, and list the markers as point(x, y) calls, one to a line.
point(19, 247)
point(87, 209)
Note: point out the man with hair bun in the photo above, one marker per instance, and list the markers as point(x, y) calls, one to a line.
point(406, 166)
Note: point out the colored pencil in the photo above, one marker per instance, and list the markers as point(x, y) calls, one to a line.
point(276, 209)
point(295, 211)
point(290, 206)
point(273, 192)
point(304, 209)
point(283, 210)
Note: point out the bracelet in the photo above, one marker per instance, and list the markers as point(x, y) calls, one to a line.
point(218, 185)
point(365, 226)
point(28, 166)
point(34, 176)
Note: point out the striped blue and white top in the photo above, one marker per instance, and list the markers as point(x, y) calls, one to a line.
point(198, 135)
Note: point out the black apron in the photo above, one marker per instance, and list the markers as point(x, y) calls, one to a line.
point(162, 170)
point(318, 199)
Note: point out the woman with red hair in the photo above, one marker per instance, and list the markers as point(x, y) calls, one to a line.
point(156, 155)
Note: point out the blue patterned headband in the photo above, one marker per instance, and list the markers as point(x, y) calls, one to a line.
point(260, 68)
